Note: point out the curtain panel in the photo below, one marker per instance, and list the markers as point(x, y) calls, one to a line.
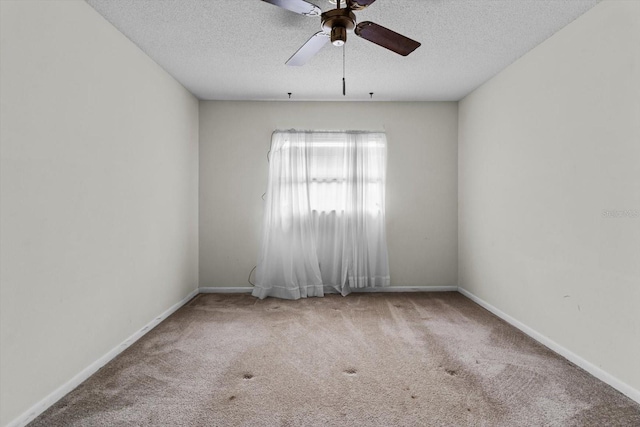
point(324, 221)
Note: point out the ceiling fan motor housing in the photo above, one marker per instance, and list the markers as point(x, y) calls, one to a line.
point(337, 22)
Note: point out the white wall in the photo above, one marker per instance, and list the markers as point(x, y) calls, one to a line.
point(421, 182)
point(545, 147)
point(99, 194)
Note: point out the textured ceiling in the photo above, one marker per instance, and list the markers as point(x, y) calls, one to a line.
point(236, 49)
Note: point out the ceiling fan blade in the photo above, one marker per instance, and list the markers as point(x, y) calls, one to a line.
point(386, 38)
point(298, 6)
point(359, 4)
point(310, 48)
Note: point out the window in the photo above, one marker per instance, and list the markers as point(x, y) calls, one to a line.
point(344, 171)
point(333, 169)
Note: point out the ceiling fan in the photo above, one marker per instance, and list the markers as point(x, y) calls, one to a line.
point(336, 23)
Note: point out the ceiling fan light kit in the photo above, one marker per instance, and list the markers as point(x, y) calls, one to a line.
point(336, 23)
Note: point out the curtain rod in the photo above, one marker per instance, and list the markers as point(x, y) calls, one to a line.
point(327, 131)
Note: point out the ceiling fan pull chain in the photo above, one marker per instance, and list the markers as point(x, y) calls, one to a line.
point(344, 84)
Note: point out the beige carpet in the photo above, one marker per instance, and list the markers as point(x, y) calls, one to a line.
point(428, 359)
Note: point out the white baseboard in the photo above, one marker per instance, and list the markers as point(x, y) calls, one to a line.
point(407, 289)
point(247, 289)
point(65, 388)
point(226, 290)
point(594, 370)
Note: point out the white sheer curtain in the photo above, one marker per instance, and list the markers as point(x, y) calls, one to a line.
point(324, 223)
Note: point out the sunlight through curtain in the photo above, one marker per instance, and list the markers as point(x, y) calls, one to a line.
point(324, 222)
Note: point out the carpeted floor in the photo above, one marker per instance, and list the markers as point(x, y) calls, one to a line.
point(428, 359)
